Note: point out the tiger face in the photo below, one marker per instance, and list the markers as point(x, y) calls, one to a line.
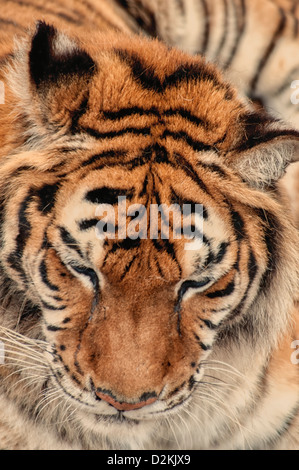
point(131, 321)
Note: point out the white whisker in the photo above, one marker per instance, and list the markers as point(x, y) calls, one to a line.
point(47, 400)
point(24, 355)
point(21, 347)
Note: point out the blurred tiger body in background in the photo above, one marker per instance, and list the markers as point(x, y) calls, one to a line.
point(140, 343)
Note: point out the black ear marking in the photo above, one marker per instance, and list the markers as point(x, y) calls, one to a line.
point(54, 56)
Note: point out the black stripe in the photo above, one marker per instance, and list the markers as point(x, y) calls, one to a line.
point(191, 284)
point(127, 244)
point(289, 420)
point(240, 17)
point(161, 154)
point(238, 224)
point(209, 324)
point(102, 155)
point(86, 224)
point(24, 232)
point(189, 171)
point(197, 145)
point(125, 112)
point(179, 199)
point(52, 307)
point(191, 381)
point(208, 261)
point(141, 160)
point(44, 276)
point(162, 245)
point(266, 137)
point(272, 230)
point(161, 274)
point(213, 168)
point(221, 252)
point(78, 113)
point(184, 113)
point(24, 224)
point(146, 77)
point(90, 273)
point(256, 131)
point(174, 392)
point(225, 30)
point(206, 34)
point(156, 153)
point(107, 195)
point(269, 50)
point(69, 241)
point(153, 153)
point(252, 268)
point(127, 268)
point(55, 328)
point(144, 18)
point(203, 346)
point(113, 134)
point(198, 72)
point(229, 289)
point(46, 195)
point(146, 396)
point(252, 272)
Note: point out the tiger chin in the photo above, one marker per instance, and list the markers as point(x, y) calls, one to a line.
point(140, 343)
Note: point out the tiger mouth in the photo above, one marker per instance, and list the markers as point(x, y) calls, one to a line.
point(168, 405)
point(118, 418)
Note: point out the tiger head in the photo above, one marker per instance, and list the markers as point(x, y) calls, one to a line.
point(131, 320)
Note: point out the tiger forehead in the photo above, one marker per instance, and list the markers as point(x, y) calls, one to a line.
point(131, 83)
point(151, 255)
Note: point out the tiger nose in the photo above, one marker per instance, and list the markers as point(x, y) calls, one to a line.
point(123, 406)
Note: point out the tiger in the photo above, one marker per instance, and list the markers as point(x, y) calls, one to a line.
point(142, 342)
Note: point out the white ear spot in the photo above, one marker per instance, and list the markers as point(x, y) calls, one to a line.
point(63, 45)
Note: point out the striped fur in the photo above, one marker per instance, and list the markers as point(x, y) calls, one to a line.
point(254, 42)
point(139, 343)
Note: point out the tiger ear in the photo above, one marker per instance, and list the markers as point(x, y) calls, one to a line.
point(54, 58)
point(264, 151)
point(50, 80)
